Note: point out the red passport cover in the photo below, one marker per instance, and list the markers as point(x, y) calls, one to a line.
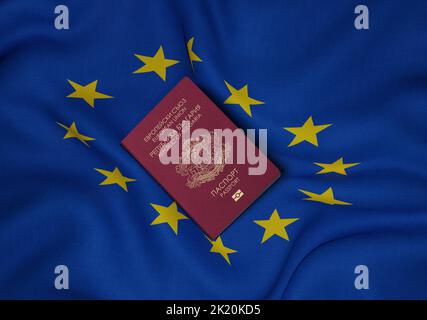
point(212, 195)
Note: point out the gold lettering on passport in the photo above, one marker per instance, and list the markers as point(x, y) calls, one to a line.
point(170, 120)
point(226, 184)
point(176, 112)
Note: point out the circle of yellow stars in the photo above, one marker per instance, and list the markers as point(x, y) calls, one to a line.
point(275, 225)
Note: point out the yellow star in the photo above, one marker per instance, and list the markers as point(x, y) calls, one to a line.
point(113, 177)
point(169, 215)
point(193, 57)
point(308, 132)
point(275, 226)
point(325, 197)
point(218, 247)
point(72, 132)
point(157, 64)
point(338, 167)
point(88, 92)
point(241, 97)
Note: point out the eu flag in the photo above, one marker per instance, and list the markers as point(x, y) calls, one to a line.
point(340, 87)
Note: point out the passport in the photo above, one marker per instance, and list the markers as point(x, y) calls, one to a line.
point(212, 194)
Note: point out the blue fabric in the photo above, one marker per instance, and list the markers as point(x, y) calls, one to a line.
point(302, 58)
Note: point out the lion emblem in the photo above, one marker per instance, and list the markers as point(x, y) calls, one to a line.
point(198, 174)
